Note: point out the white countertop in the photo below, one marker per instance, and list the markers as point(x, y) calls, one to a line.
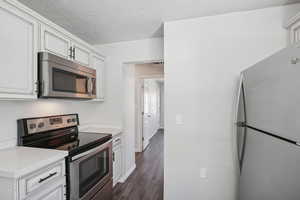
point(100, 129)
point(18, 161)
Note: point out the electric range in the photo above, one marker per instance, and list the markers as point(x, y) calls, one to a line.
point(89, 163)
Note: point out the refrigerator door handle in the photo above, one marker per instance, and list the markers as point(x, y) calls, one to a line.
point(241, 142)
point(242, 154)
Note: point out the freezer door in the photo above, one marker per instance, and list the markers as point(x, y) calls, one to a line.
point(272, 90)
point(271, 169)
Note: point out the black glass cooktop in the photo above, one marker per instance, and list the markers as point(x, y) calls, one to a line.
point(87, 141)
point(86, 138)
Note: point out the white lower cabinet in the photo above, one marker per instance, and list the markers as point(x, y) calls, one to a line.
point(48, 183)
point(117, 160)
point(18, 50)
point(53, 193)
point(41, 180)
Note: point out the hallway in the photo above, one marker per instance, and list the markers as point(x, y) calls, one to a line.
point(146, 182)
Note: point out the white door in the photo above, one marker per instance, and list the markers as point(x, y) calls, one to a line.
point(146, 99)
point(55, 42)
point(18, 50)
point(81, 54)
point(99, 65)
point(151, 122)
point(117, 163)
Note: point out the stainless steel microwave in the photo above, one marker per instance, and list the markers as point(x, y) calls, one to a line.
point(62, 78)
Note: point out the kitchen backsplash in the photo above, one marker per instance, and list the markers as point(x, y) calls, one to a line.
point(89, 113)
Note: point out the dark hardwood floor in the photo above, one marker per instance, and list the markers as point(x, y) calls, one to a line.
point(146, 182)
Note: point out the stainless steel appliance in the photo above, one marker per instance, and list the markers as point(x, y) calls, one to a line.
point(268, 128)
point(89, 163)
point(62, 78)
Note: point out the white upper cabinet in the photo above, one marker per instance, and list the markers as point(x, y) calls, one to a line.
point(55, 42)
point(18, 50)
point(58, 43)
point(293, 26)
point(81, 54)
point(99, 65)
point(23, 34)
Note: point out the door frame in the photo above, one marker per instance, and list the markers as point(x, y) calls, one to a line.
point(139, 99)
point(128, 114)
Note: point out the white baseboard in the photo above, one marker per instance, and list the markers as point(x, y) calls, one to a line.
point(127, 174)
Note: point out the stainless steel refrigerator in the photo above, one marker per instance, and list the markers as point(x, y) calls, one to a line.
point(268, 128)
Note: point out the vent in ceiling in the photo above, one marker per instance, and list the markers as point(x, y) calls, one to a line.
point(158, 63)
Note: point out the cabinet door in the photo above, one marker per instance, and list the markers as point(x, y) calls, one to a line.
point(56, 193)
point(117, 163)
point(99, 65)
point(55, 42)
point(295, 33)
point(18, 50)
point(81, 54)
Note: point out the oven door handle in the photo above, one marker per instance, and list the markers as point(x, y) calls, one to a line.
point(92, 151)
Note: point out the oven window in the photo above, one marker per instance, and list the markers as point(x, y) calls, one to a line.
point(92, 170)
point(64, 81)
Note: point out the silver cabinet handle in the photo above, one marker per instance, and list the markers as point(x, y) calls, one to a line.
point(50, 175)
point(74, 53)
point(71, 52)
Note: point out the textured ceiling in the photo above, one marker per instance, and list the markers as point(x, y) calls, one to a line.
point(106, 21)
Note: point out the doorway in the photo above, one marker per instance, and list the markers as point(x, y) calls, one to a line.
point(141, 81)
point(148, 103)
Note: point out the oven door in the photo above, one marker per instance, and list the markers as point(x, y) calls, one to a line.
point(90, 171)
point(61, 78)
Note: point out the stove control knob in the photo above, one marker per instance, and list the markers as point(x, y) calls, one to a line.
point(69, 120)
point(41, 125)
point(73, 120)
point(32, 126)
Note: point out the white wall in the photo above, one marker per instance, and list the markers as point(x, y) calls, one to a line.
point(117, 57)
point(203, 58)
point(10, 111)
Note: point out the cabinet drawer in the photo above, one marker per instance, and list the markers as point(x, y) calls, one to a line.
point(32, 182)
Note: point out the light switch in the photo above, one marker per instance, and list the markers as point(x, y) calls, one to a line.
point(203, 172)
point(179, 119)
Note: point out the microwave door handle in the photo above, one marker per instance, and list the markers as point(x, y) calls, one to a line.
point(92, 86)
point(89, 86)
